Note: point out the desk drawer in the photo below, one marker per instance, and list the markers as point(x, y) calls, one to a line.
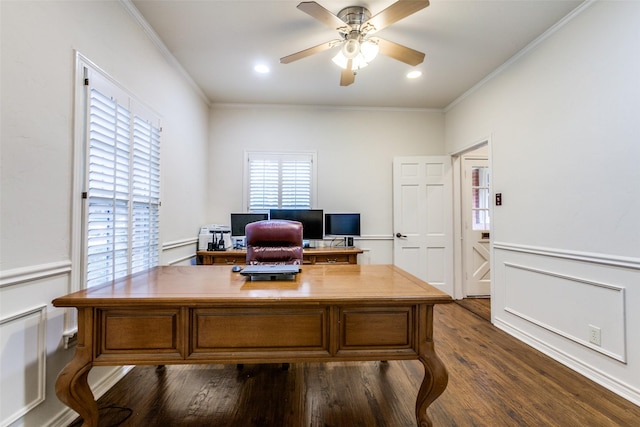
point(138, 334)
point(229, 259)
point(376, 328)
point(222, 258)
point(255, 330)
point(330, 259)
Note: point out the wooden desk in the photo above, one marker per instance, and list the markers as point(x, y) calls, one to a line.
point(309, 256)
point(207, 314)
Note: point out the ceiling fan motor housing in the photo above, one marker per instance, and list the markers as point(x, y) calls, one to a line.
point(354, 16)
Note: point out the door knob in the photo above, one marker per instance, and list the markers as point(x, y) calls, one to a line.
point(399, 235)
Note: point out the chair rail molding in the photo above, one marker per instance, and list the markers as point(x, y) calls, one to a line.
point(596, 258)
point(179, 243)
point(34, 272)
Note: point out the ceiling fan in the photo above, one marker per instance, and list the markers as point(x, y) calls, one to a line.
point(356, 27)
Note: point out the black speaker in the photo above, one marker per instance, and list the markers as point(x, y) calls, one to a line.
point(348, 241)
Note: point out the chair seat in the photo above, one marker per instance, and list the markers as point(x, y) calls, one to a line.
point(275, 255)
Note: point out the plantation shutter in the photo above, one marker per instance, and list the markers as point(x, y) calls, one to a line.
point(280, 181)
point(122, 186)
point(146, 195)
point(296, 184)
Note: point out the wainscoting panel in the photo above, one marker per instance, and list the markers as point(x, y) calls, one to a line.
point(551, 298)
point(22, 366)
point(541, 296)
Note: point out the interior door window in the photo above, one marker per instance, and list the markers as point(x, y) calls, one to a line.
point(481, 198)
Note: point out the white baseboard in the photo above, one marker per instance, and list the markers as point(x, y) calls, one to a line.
point(595, 375)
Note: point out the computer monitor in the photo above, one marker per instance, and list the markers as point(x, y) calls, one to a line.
point(312, 221)
point(240, 220)
point(342, 224)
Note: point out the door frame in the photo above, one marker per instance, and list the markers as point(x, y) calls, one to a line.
point(458, 268)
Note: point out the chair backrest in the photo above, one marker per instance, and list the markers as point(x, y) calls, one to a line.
point(274, 242)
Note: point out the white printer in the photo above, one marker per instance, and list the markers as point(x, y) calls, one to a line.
point(214, 237)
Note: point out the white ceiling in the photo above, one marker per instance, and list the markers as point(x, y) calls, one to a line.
point(218, 42)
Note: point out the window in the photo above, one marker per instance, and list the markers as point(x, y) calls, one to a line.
point(279, 181)
point(122, 183)
point(481, 198)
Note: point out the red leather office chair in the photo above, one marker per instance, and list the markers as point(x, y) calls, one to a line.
point(274, 242)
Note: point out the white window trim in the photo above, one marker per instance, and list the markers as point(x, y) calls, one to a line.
point(314, 173)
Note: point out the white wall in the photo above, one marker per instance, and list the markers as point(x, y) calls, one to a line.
point(563, 122)
point(563, 129)
point(37, 80)
point(355, 150)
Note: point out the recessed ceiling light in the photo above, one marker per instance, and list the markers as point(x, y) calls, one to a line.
point(261, 68)
point(414, 74)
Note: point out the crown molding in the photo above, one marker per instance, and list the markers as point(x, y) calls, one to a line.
point(162, 48)
point(515, 58)
point(324, 107)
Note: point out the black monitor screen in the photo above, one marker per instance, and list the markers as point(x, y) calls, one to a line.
point(312, 220)
point(342, 224)
point(240, 220)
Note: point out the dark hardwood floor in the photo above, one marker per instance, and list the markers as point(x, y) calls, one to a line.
point(494, 380)
point(478, 306)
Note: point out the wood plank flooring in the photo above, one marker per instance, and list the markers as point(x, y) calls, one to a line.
point(494, 380)
point(478, 306)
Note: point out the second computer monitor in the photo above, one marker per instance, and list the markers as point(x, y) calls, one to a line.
point(312, 221)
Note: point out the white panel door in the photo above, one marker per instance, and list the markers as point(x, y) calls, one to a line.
point(423, 218)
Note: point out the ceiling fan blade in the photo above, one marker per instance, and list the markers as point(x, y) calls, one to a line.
point(310, 51)
point(397, 11)
point(323, 15)
point(399, 52)
point(347, 76)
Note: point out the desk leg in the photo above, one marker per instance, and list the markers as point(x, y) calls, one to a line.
point(72, 387)
point(434, 382)
point(73, 390)
point(435, 374)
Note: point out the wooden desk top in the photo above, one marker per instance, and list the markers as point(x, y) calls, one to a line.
point(194, 285)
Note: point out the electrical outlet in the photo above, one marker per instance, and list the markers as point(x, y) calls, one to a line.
point(595, 335)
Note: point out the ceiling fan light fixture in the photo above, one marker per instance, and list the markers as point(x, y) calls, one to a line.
point(350, 48)
point(340, 60)
point(365, 53)
point(356, 63)
point(369, 50)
